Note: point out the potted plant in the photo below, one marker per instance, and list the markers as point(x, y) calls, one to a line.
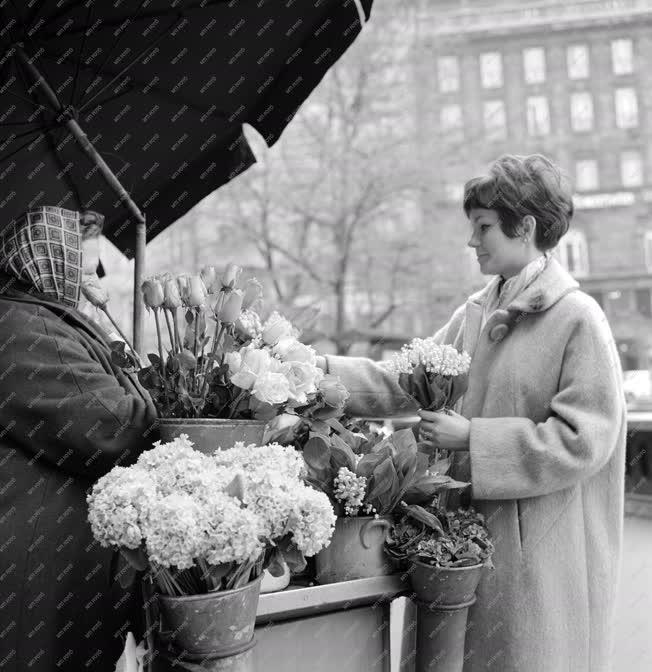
point(445, 553)
point(227, 372)
point(200, 528)
point(366, 477)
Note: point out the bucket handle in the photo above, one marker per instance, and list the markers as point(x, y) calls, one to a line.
point(368, 525)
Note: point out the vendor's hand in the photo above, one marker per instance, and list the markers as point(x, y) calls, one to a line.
point(445, 430)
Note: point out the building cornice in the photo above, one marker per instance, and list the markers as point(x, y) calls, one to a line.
point(551, 15)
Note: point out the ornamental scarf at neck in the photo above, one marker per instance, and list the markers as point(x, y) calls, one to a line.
point(42, 249)
point(503, 292)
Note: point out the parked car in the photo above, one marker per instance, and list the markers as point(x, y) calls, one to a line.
point(637, 384)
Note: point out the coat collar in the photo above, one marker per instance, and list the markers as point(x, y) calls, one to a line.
point(552, 284)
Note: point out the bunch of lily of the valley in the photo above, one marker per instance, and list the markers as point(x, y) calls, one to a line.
point(220, 360)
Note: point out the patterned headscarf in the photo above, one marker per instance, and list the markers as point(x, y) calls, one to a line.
point(42, 249)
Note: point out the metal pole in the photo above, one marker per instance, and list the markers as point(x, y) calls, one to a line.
point(112, 181)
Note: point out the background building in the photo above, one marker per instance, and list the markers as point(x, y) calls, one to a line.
point(572, 80)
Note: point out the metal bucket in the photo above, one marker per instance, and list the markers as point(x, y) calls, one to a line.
point(210, 626)
point(209, 434)
point(355, 551)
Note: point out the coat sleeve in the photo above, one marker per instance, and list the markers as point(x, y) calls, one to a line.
point(375, 393)
point(64, 408)
point(513, 458)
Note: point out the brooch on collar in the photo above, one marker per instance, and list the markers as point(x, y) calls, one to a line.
point(537, 302)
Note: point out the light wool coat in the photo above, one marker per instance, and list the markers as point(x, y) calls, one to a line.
point(547, 457)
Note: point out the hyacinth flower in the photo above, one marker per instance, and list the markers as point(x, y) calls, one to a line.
point(434, 375)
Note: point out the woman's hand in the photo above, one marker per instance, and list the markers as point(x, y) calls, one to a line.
point(445, 430)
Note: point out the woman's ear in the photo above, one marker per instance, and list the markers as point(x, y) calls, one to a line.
point(528, 228)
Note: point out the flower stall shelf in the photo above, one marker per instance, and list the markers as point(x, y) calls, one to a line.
point(201, 529)
point(220, 373)
point(445, 554)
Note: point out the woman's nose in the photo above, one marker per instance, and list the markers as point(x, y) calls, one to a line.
point(473, 241)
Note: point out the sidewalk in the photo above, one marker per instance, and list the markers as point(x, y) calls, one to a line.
point(634, 612)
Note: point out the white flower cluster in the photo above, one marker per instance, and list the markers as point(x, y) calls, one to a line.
point(174, 501)
point(439, 359)
point(351, 490)
point(274, 490)
point(276, 368)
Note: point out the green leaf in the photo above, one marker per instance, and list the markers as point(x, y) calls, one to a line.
point(425, 517)
point(190, 316)
point(369, 462)
point(383, 486)
point(293, 557)
point(275, 563)
point(341, 454)
point(317, 453)
point(186, 360)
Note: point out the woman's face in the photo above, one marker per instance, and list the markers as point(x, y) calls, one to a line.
point(497, 253)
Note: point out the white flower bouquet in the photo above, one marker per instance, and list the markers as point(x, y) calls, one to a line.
point(434, 375)
point(230, 363)
point(200, 523)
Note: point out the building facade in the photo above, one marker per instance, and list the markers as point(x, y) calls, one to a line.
point(573, 81)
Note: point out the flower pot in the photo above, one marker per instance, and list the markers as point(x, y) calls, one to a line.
point(208, 434)
point(273, 584)
point(443, 597)
point(444, 585)
point(211, 626)
point(355, 551)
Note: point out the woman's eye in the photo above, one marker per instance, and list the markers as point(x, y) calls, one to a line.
point(484, 227)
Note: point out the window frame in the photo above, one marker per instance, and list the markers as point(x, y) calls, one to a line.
point(632, 184)
point(576, 239)
point(585, 69)
point(595, 163)
point(589, 125)
point(619, 102)
point(541, 65)
point(455, 78)
point(617, 59)
point(500, 79)
point(548, 129)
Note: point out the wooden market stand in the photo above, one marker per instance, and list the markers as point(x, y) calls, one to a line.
point(365, 625)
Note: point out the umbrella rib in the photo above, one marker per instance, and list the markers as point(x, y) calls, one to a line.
point(81, 56)
point(164, 34)
point(122, 34)
point(8, 156)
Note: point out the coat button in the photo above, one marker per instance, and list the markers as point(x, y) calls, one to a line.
point(498, 332)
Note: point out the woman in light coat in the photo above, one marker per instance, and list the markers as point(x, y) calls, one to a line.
point(540, 433)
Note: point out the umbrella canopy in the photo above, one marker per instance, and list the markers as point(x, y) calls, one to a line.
point(160, 88)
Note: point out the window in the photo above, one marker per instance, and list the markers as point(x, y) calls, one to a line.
point(648, 250)
point(577, 61)
point(631, 168)
point(538, 116)
point(491, 70)
point(626, 108)
point(622, 57)
point(534, 65)
point(581, 111)
point(448, 72)
point(573, 253)
point(643, 302)
point(495, 121)
point(586, 175)
point(451, 120)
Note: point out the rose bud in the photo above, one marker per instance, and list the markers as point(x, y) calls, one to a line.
point(94, 292)
point(253, 292)
point(209, 276)
point(152, 292)
point(172, 298)
point(183, 282)
point(197, 294)
point(333, 392)
point(230, 276)
point(276, 328)
point(232, 308)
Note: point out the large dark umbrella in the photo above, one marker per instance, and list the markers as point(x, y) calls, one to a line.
point(154, 93)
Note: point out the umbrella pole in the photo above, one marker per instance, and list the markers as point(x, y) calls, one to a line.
point(75, 129)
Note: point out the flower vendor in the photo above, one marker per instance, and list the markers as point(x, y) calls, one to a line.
point(68, 416)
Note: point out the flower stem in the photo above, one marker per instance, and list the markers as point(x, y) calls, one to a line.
point(173, 344)
point(237, 401)
point(175, 319)
point(219, 328)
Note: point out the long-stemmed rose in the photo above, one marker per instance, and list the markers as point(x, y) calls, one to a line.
point(171, 303)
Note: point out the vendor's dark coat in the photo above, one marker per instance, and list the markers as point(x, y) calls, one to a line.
point(67, 416)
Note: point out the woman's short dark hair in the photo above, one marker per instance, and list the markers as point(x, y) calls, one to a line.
point(91, 224)
point(516, 186)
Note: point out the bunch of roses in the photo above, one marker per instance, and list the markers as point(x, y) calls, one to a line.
point(275, 367)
